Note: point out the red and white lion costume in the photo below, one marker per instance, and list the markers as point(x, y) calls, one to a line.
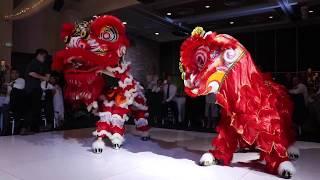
point(256, 112)
point(93, 49)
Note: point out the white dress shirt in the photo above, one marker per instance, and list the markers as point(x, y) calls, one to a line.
point(301, 89)
point(18, 84)
point(172, 92)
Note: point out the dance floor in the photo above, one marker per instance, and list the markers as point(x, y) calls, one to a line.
point(169, 155)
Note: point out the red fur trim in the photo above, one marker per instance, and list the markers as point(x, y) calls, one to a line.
point(116, 129)
point(139, 114)
point(66, 30)
point(103, 126)
point(119, 110)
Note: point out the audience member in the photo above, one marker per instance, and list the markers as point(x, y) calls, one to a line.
point(169, 93)
point(36, 72)
point(16, 100)
point(155, 101)
point(300, 99)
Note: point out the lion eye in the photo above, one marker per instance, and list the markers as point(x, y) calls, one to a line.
point(201, 59)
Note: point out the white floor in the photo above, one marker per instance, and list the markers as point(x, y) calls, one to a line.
point(171, 154)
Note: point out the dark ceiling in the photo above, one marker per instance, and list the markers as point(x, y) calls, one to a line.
point(168, 20)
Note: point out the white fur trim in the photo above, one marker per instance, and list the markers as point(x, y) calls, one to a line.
point(214, 86)
point(187, 83)
point(286, 166)
point(207, 159)
point(121, 51)
point(120, 69)
point(192, 78)
point(93, 105)
point(140, 106)
point(117, 120)
point(127, 81)
point(141, 122)
point(98, 144)
point(116, 138)
point(130, 92)
point(101, 133)
point(108, 103)
point(195, 91)
point(105, 116)
point(207, 34)
point(108, 116)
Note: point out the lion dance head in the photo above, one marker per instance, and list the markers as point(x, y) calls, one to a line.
point(90, 47)
point(205, 60)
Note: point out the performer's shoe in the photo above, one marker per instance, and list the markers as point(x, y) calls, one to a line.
point(207, 159)
point(146, 138)
point(117, 140)
point(286, 170)
point(98, 146)
point(116, 146)
point(293, 153)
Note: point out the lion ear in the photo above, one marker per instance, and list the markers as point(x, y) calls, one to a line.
point(210, 35)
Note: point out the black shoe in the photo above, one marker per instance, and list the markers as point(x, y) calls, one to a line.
point(147, 138)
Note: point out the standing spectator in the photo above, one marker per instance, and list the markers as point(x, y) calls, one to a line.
point(157, 96)
point(169, 93)
point(300, 89)
point(288, 81)
point(300, 98)
point(36, 72)
point(16, 99)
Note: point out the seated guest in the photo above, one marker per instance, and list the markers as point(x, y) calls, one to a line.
point(16, 99)
point(169, 93)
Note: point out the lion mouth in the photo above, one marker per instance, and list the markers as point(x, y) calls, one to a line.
point(76, 64)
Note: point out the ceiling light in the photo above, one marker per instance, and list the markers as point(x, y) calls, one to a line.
point(124, 22)
point(207, 6)
point(311, 11)
point(231, 22)
point(156, 33)
point(270, 17)
point(169, 13)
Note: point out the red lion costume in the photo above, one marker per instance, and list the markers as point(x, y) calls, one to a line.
point(94, 49)
point(256, 112)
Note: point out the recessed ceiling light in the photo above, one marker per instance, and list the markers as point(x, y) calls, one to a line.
point(124, 22)
point(207, 6)
point(311, 11)
point(270, 17)
point(169, 13)
point(156, 33)
point(231, 22)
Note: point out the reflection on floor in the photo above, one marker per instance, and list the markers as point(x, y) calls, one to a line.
point(171, 154)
